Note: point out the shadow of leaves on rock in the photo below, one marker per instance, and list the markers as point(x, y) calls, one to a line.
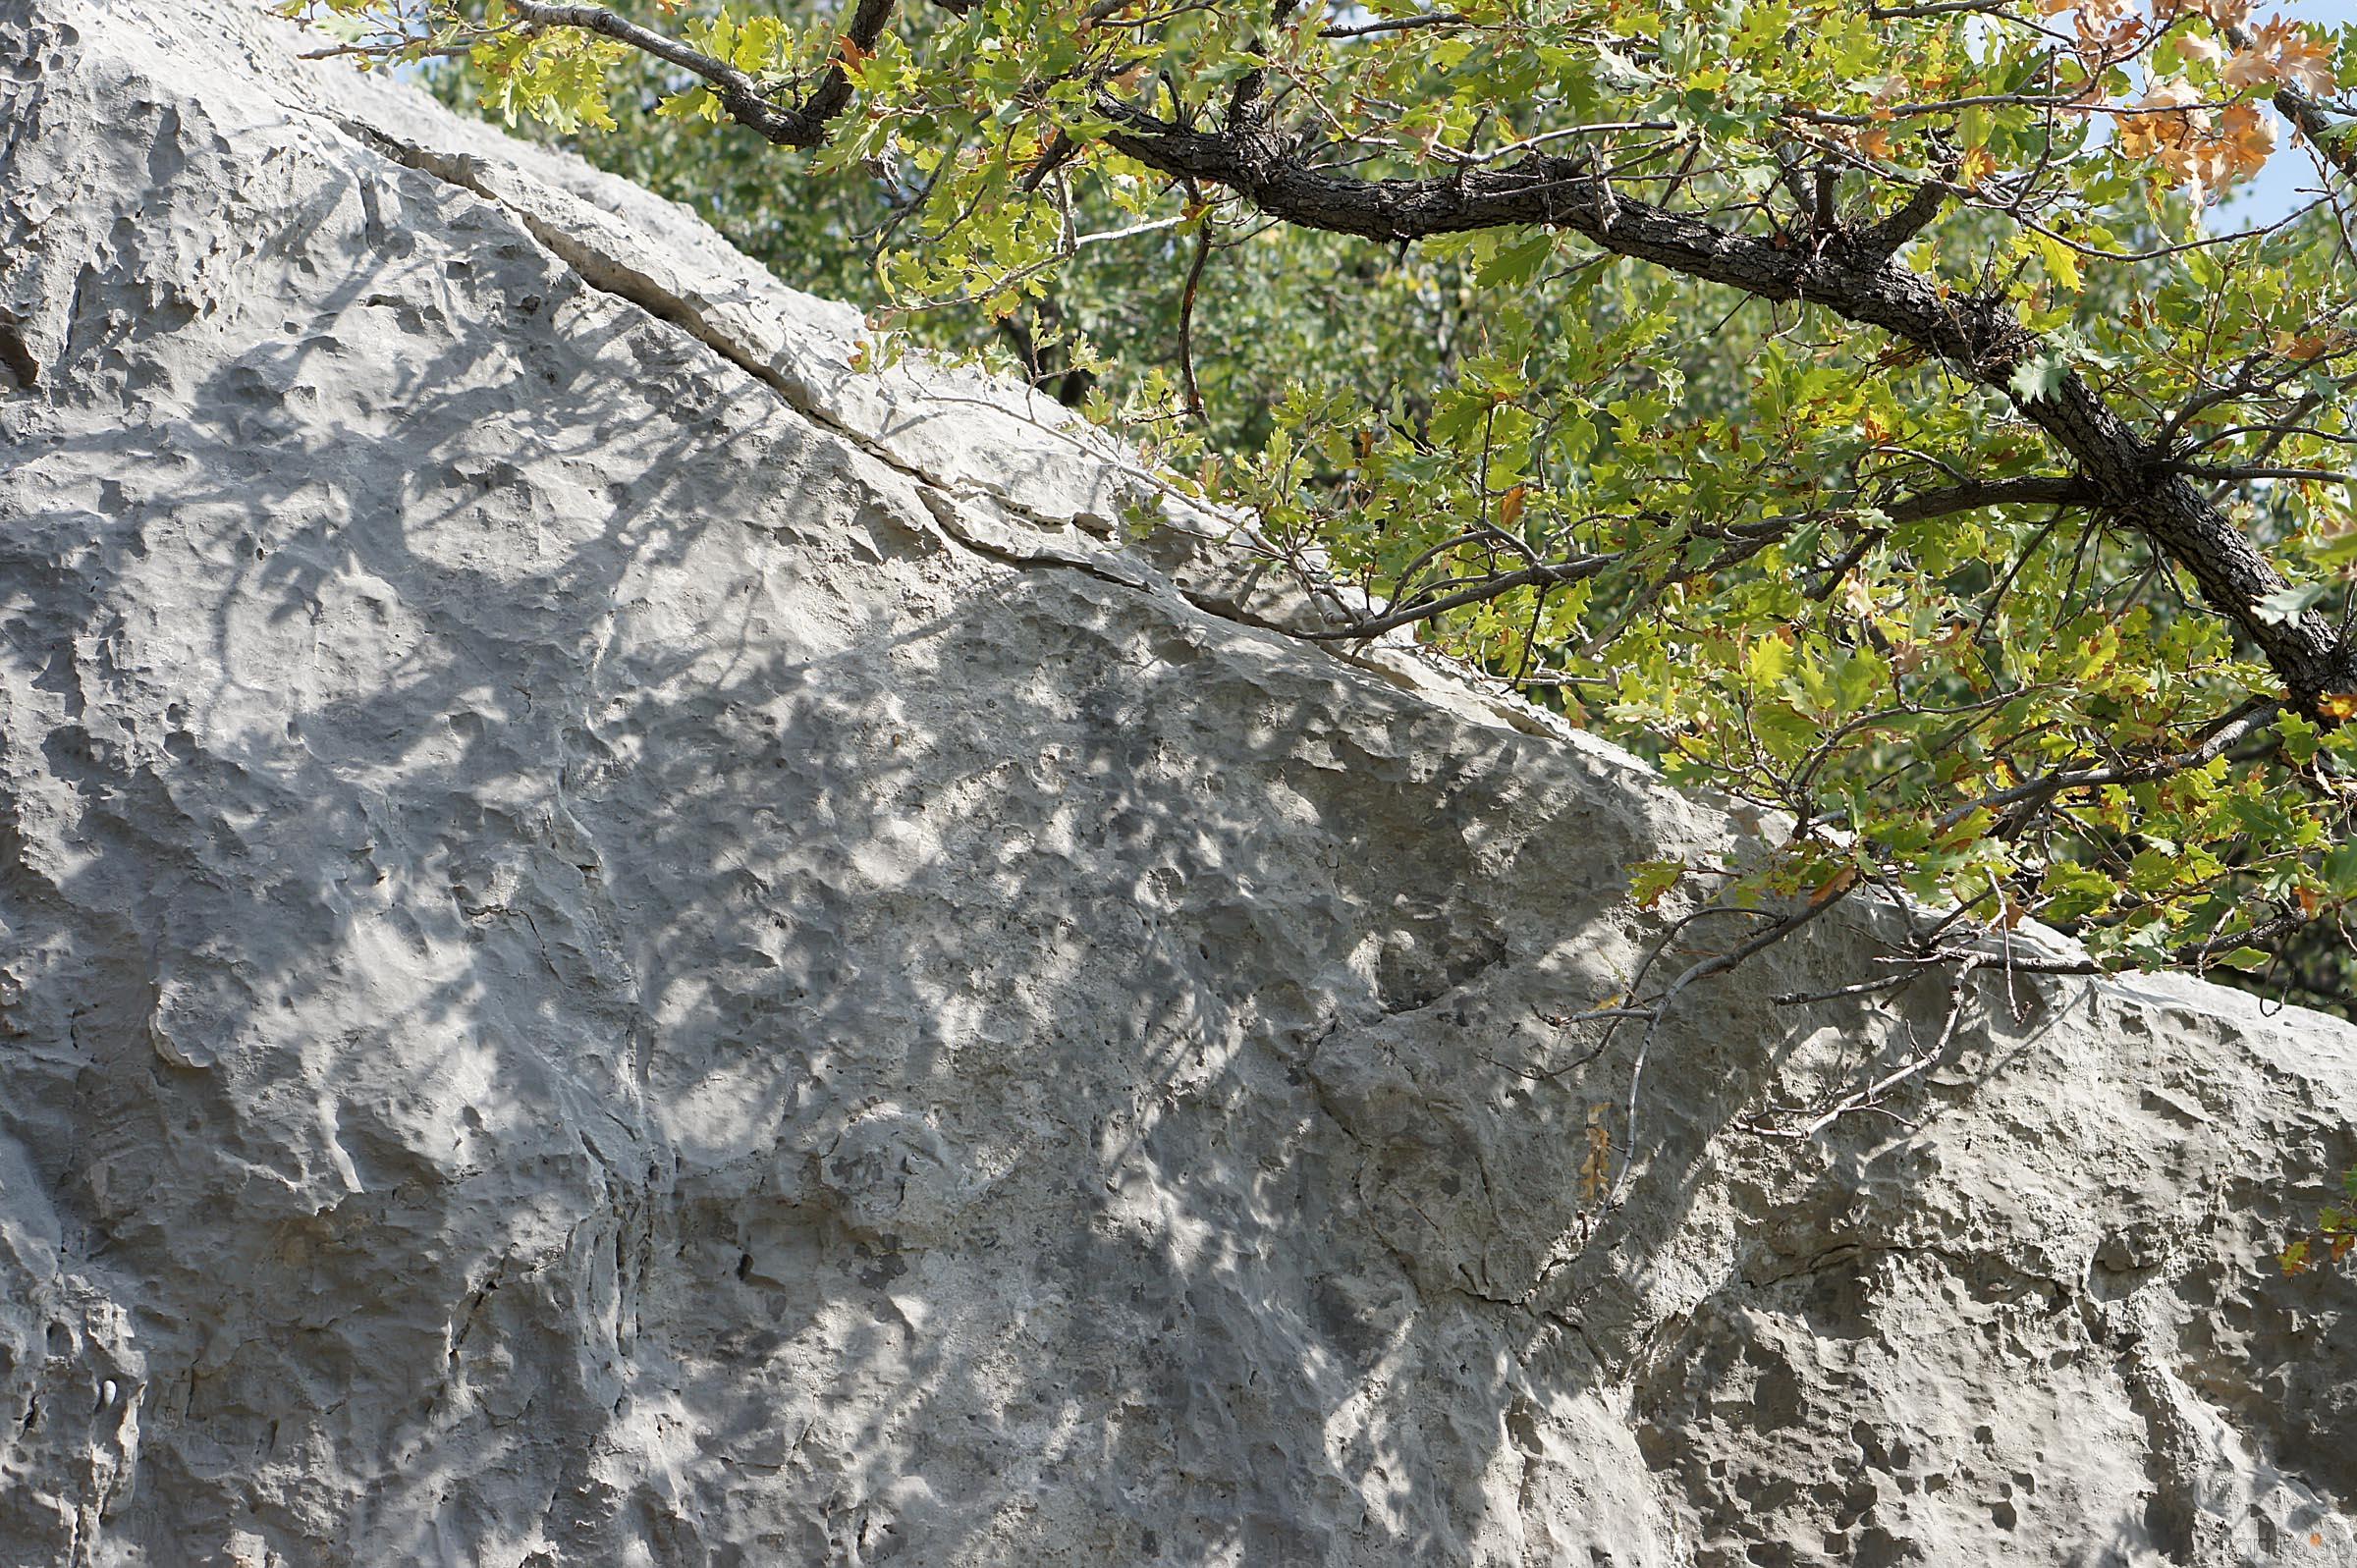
point(599, 990)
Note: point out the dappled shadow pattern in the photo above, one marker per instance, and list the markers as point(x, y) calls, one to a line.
point(596, 989)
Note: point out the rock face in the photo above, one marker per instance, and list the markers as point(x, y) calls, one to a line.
point(621, 946)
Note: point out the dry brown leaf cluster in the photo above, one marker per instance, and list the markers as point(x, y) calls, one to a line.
point(2222, 14)
point(2195, 143)
point(2195, 147)
point(2109, 30)
point(2284, 54)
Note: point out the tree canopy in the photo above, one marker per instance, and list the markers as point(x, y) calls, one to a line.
point(1875, 412)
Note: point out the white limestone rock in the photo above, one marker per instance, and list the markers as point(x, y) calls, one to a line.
point(622, 946)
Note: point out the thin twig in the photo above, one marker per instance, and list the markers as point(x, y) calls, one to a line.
point(1186, 319)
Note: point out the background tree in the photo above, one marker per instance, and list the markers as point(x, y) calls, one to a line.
point(1860, 408)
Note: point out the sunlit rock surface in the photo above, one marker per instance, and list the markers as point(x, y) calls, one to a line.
point(621, 946)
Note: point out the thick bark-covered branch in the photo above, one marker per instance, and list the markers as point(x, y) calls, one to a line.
point(2040, 490)
point(1368, 30)
point(1981, 338)
point(748, 101)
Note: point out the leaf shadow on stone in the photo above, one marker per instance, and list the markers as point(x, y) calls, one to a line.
point(601, 988)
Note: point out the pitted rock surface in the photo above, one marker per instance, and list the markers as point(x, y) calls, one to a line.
point(622, 945)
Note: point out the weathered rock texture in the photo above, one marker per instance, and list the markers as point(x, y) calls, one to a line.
point(623, 947)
